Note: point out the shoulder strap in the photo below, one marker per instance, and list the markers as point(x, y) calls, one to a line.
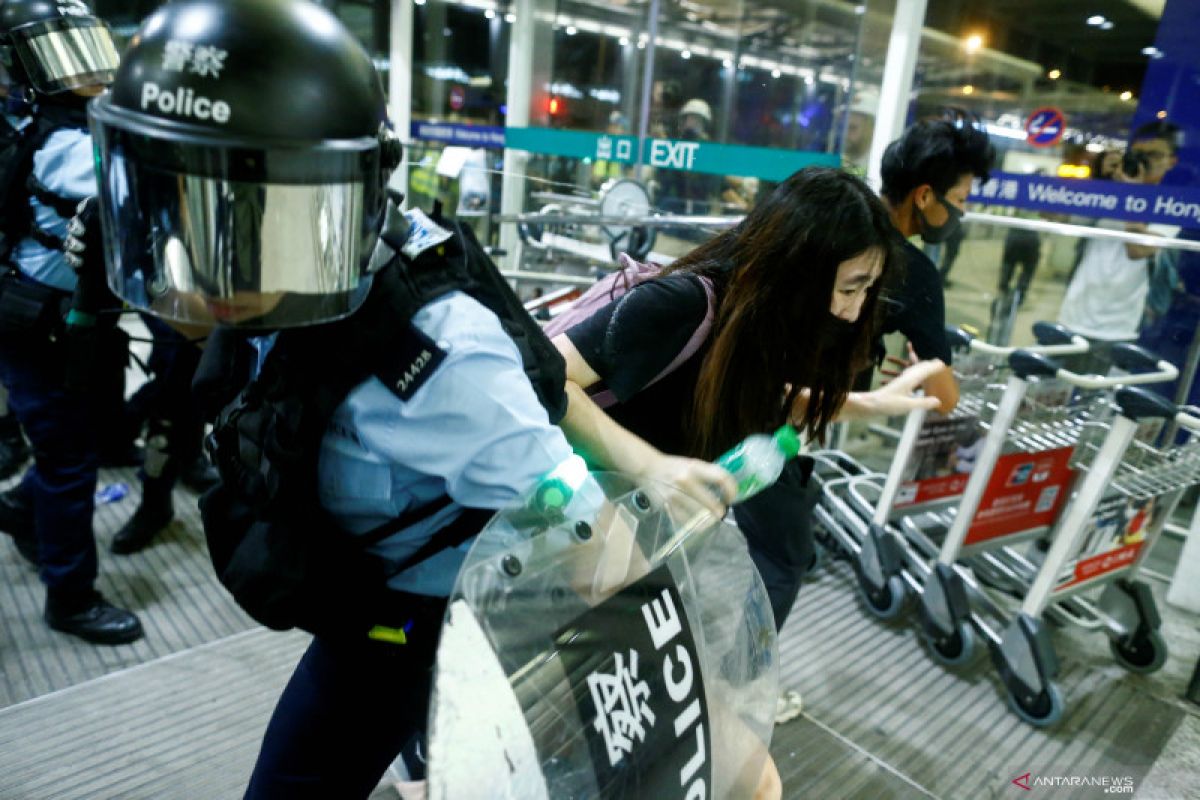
point(606, 399)
point(698, 336)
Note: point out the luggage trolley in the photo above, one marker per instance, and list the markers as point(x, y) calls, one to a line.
point(1042, 444)
point(1124, 500)
point(1015, 493)
point(876, 549)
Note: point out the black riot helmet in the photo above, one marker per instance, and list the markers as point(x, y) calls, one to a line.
point(242, 154)
point(53, 46)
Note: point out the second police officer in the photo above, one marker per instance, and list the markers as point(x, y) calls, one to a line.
point(58, 54)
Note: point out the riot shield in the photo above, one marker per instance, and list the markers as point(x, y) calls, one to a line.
point(610, 640)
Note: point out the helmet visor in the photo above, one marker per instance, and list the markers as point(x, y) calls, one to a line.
point(211, 249)
point(63, 54)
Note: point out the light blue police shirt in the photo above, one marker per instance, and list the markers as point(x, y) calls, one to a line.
point(474, 431)
point(64, 166)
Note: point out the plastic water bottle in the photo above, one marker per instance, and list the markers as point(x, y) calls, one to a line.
point(757, 462)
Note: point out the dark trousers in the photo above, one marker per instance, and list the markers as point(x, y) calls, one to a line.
point(346, 713)
point(166, 403)
point(777, 524)
point(1024, 252)
point(61, 484)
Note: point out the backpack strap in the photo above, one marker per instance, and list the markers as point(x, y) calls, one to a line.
point(467, 524)
point(606, 398)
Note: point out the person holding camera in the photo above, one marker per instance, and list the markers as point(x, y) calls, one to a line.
point(1107, 293)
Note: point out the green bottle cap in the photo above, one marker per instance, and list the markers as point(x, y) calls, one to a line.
point(788, 440)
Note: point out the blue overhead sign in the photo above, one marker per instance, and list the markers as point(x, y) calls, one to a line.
point(1134, 202)
point(1045, 127)
point(459, 134)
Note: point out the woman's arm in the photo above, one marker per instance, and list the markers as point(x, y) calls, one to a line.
point(896, 397)
point(892, 399)
point(605, 443)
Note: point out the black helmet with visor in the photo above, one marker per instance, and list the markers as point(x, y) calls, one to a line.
point(54, 46)
point(242, 155)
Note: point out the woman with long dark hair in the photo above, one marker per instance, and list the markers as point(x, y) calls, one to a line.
point(795, 291)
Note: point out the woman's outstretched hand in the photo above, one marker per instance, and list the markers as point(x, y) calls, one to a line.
point(897, 397)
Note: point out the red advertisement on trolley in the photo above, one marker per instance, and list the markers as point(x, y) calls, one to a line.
point(1026, 491)
point(1116, 534)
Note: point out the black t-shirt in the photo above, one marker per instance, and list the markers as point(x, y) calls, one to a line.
point(915, 305)
point(633, 339)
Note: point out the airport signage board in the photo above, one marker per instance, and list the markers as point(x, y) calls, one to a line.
point(458, 134)
point(1134, 202)
point(708, 157)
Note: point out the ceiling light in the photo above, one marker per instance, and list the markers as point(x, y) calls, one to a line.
point(1126, 95)
point(1150, 51)
point(686, 54)
point(1097, 19)
point(490, 13)
point(775, 73)
point(968, 89)
point(1054, 74)
point(972, 43)
point(623, 41)
point(419, 2)
point(727, 63)
point(1162, 114)
point(510, 18)
point(572, 30)
point(1106, 25)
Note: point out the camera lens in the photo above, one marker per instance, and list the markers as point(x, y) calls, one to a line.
point(1133, 162)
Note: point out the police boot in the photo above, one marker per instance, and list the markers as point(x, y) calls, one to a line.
point(155, 511)
point(153, 514)
point(16, 519)
point(13, 450)
point(90, 617)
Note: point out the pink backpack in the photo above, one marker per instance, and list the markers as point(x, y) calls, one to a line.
point(615, 285)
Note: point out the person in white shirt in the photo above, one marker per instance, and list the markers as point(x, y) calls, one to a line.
point(1107, 293)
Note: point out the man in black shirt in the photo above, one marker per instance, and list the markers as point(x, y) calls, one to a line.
point(927, 176)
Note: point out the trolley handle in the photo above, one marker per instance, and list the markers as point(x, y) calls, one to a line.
point(1163, 371)
point(1132, 358)
point(1027, 363)
point(1053, 340)
point(1050, 333)
point(1137, 404)
point(1187, 418)
point(958, 338)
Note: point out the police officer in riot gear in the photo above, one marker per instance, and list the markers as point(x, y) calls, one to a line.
point(57, 54)
point(264, 214)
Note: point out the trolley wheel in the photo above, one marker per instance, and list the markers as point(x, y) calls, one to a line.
point(956, 649)
point(887, 602)
point(1042, 711)
point(1142, 653)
